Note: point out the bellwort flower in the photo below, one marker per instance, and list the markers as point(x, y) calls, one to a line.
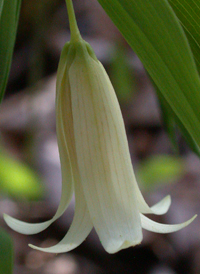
point(95, 159)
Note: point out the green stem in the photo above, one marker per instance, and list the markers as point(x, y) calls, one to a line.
point(75, 34)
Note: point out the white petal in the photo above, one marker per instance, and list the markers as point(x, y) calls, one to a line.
point(164, 205)
point(79, 229)
point(103, 156)
point(158, 209)
point(161, 207)
point(66, 154)
point(67, 191)
point(28, 228)
point(163, 228)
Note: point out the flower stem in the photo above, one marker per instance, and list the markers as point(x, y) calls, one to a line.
point(75, 34)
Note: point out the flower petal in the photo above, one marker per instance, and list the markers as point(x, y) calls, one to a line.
point(67, 191)
point(79, 229)
point(161, 207)
point(28, 228)
point(163, 228)
point(158, 209)
point(103, 155)
point(65, 148)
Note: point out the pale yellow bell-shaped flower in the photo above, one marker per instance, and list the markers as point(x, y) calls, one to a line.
point(95, 159)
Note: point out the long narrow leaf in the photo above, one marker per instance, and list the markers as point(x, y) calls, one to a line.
point(120, 74)
point(188, 12)
point(8, 26)
point(155, 34)
point(170, 119)
point(1, 6)
point(167, 118)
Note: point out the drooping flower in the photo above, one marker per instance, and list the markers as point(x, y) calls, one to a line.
point(95, 159)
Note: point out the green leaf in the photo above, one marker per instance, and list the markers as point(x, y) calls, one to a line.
point(6, 253)
point(188, 13)
point(120, 74)
point(9, 14)
point(18, 180)
point(170, 120)
point(167, 118)
point(1, 6)
point(159, 169)
point(155, 34)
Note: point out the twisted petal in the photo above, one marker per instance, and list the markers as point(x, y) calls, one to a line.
point(79, 229)
point(103, 156)
point(27, 228)
point(67, 191)
point(67, 177)
point(163, 228)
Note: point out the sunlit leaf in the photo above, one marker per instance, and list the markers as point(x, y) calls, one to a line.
point(155, 34)
point(6, 253)
point(160, 169)
point(8, 25)
point(17, 179)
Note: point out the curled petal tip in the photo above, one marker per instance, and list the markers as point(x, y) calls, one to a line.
point(159, 208)
point(58, 248)
point(163, 206)
point(32, 246)
point(194, 217)
point(163, 228)
point(25, 228)
point(45, 249)
point(5, 216)
point(169, 198)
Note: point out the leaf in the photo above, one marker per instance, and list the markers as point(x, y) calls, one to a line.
point(6, 253)
point(159, 169)
point(1, 6)
point(17, 179)
point(8, 27)
point(155, 34)
point(188, 13)
point(120, 74)
point(167, 118)
point(170, 120)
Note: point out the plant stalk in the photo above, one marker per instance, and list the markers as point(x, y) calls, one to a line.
point(75, 34)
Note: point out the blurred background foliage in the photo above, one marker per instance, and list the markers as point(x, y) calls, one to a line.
point(18, 180)
point(160, 169)
point(30, 180)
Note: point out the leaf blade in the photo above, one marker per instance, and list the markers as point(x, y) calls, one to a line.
point(155, 34)
point(8, 26)
point(188, 14)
